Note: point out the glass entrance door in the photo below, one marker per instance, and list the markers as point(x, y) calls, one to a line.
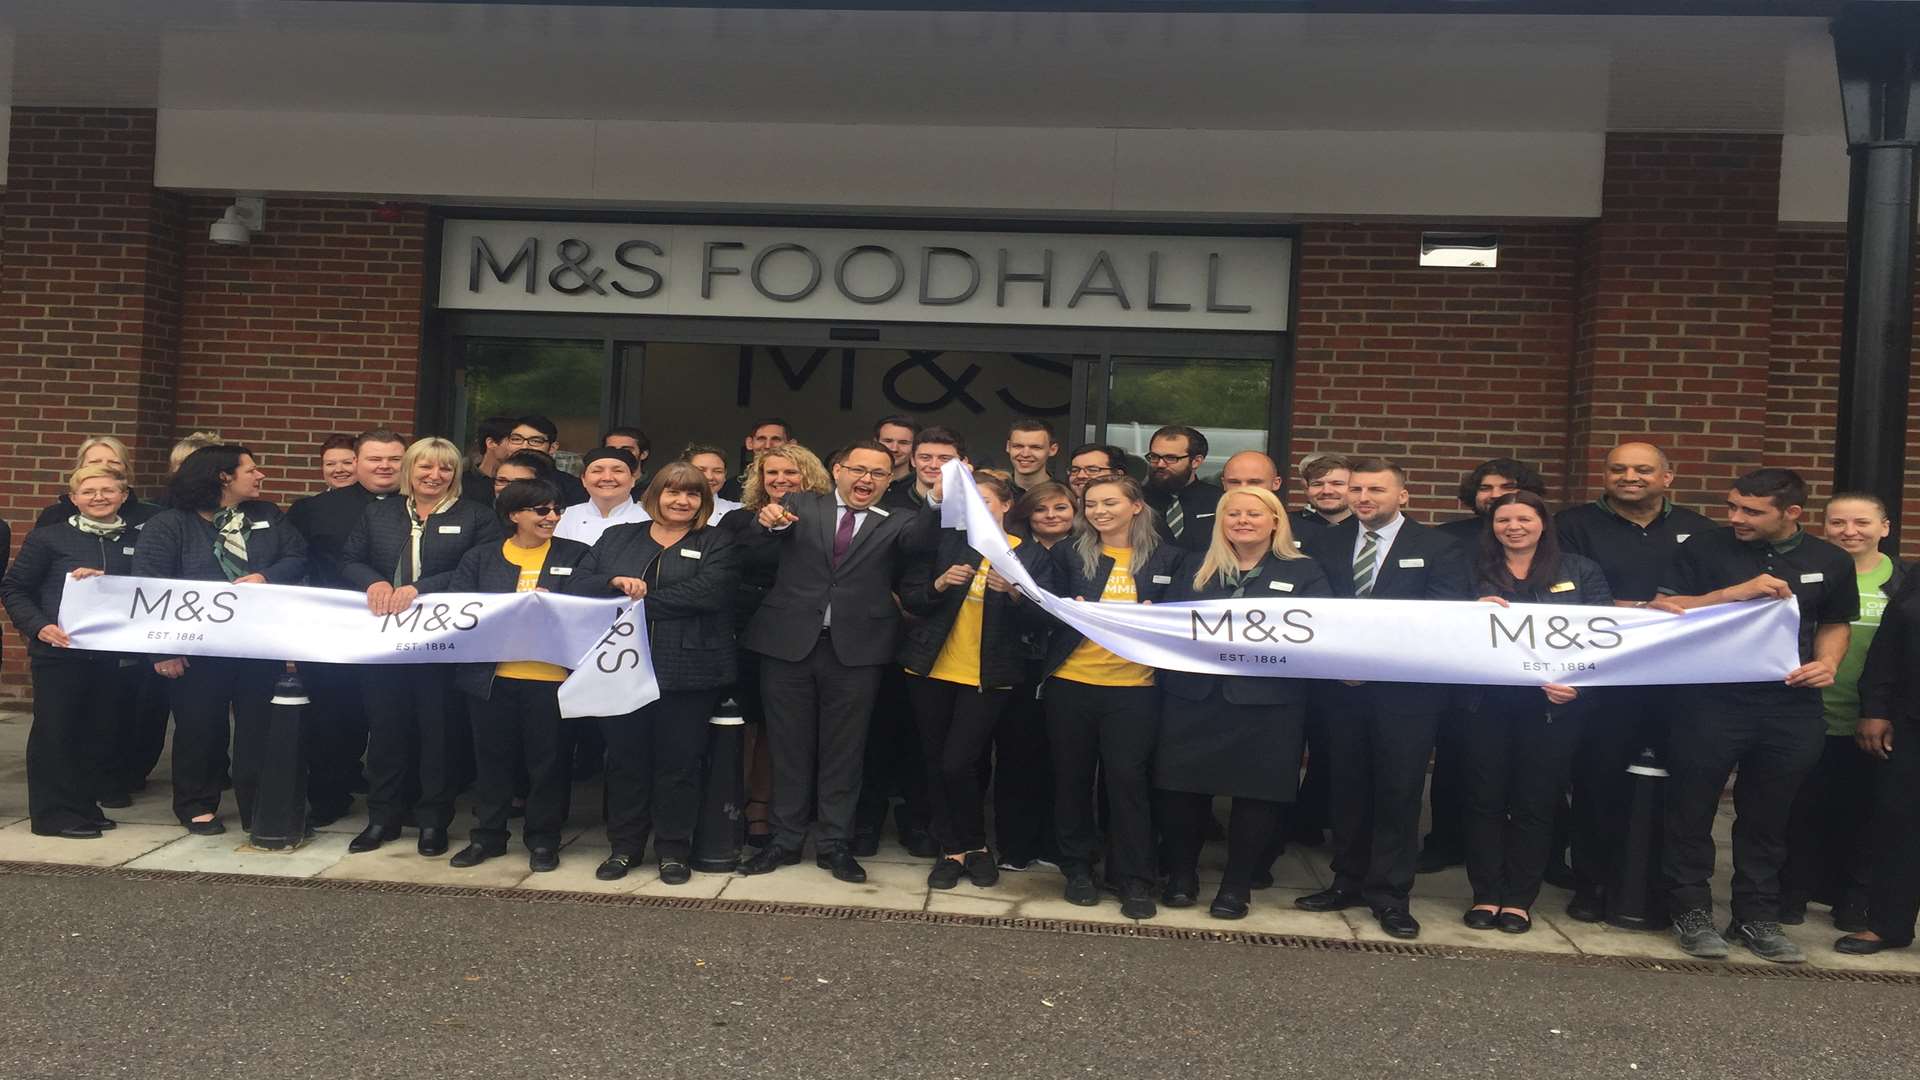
point(568, 381)
point(1228, 401)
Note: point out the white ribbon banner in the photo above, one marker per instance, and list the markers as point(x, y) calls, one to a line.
point(1421, 641)
point(603, 640)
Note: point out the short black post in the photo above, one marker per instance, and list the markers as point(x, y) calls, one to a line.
point(1636, 899)
point(280, 806)
point(722, 826)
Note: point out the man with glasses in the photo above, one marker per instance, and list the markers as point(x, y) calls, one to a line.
point(826, 631)
point(1184, 502)
point(542, 436)
point(1093, 461)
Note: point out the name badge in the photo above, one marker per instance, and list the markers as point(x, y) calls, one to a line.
point(1410, 564)
point(126, 551)
point(689, 553)
point(1162, 579)
point(560, 571)
point(1298, 544)
point(1681, 538)
point(1815, 576)
point(261, 524)
point(140, 526)
point(449, 530)
point(877, 510)
point(1280, 586)
point(1207, 514)
point(1564, 586)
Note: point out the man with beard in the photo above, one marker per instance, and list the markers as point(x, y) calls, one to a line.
point(1325, 477)
point(1184, 502)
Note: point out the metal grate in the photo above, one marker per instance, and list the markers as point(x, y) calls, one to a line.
point(1143, 931)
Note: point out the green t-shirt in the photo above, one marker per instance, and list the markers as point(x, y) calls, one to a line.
point(1842, 700)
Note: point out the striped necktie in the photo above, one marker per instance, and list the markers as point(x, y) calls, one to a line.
point(1176, 518)
point(1363, 565)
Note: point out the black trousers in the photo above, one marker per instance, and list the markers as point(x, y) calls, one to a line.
point(955, 722)
point(1023, 781)
point(138, 733)
point(78, 701)
point(1516, 759)
point(1251, 826)
point(1624, 721)
point(1774, 754)
point(1112, 729)
point(817, 713)
point(655, 761)
point(338, 733)
point(212, 689)
point(410, 743)
point(893, 763)
point(518, 726)
point(1381, 739)
point(1447, 796)
point(1313, 807)
point(1893, 894)
point(1828, 855)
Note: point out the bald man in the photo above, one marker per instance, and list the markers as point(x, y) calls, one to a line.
point(1632, 530)
point(1250, 468)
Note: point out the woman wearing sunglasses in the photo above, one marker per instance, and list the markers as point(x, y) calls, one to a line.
point(515, 704)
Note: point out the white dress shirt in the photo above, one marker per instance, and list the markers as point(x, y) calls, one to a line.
point(584, 522)
point(1387, 532)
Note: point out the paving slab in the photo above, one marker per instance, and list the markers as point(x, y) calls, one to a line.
point(398, 860)
point(898, 886)
point(116, 846)
point(231, 854)
point(1440, 925)
point(579, 860)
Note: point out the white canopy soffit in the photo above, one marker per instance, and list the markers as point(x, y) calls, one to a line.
point(1114, 114)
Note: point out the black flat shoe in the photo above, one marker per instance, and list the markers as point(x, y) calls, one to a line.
point(1080, 890)
point(767, 860)
point(1397, 923)
point(104, 823)
point(1229, 904)
point(1136, 901)
point(205, 828)
point(543, 860)
point(371, 838)
point(982, 871)
point(115, 801)
point(675, 872)
point(1180, 892)
point(842, 865)
point(1859, 946)
point(473, 855)
point(1328, 900)
point(71, 832)
point(432, 842)
point(1511, 923)
point(946, 873)
point(614, 867)
point(1481, 919)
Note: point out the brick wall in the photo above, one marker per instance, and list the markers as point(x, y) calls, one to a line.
point(1436, 368)
point(1674, 323)
point(311, 329)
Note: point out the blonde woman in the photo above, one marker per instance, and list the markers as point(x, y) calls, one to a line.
point(1102, 710)
point(1237, 735)
point(107, 451)
point(773, 474)
point(401, 548)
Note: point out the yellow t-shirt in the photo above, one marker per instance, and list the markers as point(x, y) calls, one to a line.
point(529, 560)
point(959, 659)
point(1094, 665)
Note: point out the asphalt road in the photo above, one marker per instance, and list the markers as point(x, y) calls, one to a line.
point(105, 977)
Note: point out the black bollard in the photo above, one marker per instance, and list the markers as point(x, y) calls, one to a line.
point(722, 826)
point(1636, 898)
point(280, 804)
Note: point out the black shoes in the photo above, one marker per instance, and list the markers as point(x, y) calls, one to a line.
point(1481, 919)
point(370, 838)
point(982, 871)
point(767, 860)
point(864, 844)
point(615, 866)
point(432, 842)
point(1397, 923)
point(473, 855)
point(675, 872)
point(71, 832)
point(1511, 923)
point(104, 823)
point(1229, 903)
point(205, 828)
point(1853, 945)
point(1181, 892)
point(946, 873)
point(1136, 900)
point(1080, 889)
point(118, 800)
point(842, 865)
point(542, 860)
point(1328, 900)
point(1587, 907)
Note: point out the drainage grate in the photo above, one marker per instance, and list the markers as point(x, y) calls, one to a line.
point(1142, 931)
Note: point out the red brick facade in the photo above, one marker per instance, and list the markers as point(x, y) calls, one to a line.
point(1684, 315)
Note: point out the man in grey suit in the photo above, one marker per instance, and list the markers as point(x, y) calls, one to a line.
point(826, 629)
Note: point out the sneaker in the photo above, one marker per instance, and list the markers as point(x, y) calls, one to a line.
point(981, 870)
point(1694, 930)
point(1767, 941)
point(945, 873)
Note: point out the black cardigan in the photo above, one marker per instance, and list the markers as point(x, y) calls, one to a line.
point(1151, 583)
point(485, 569)
point(1002, 658)
point(1890, 680)
point(1589, 587)
point(1275, 581)
point(689, 603)
point(373, 549)
point(34, 584)
point(179, 544)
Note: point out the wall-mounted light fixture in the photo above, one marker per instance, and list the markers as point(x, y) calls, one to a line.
point(1460, 250)
point(247, 215)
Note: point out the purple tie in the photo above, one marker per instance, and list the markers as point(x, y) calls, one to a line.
point(843, 538)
